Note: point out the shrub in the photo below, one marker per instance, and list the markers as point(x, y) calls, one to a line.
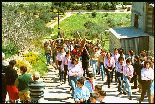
point(106, 6)
point(106, 15)
point(88, 24)
point(53, 15)
point(10, 49)
point(128, 16)
point(113, 6)
point(111, 22)
point(32, 58)
point(21, 62)
point(94, 14)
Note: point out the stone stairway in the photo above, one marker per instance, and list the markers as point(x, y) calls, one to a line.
point(55, 92)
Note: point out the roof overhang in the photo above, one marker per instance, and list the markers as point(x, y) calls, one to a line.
point(128, 32)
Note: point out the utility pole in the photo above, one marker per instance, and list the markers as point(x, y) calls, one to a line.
point(59, 35)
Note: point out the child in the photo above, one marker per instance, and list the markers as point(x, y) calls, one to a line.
point(102, 95)
point(64, 65)
point(98, 88)
point(90, 84)
point(94, 98)
point(82, 93)
point(59, 58)
point(119, 71)
point(127, 75)
point(109, 64)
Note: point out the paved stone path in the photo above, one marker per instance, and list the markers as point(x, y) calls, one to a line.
point(68, 14)
point(60, 93)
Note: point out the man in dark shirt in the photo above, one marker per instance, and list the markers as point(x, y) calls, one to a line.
point(85, 60)
point(36, 88)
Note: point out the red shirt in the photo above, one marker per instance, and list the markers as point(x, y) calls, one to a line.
point(74, 52)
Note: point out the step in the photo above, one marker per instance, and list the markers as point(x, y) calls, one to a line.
point(149, 17)
point(149, 12)
point(149, 26)
point(48, 81)
point(149, 21)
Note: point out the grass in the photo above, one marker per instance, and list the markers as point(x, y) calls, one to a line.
point(77, 21)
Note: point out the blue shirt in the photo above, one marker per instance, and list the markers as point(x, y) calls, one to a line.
point(81, 93)
point(89, 85)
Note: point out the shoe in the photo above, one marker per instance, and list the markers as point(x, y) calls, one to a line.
point(133, 87)
point(111, 80)
point(70, 89)
point(120, 92)
point(130, 98)
point(124, 92)
point(105, 83)
point(108, 86)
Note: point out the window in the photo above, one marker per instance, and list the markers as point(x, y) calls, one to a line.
point(136, 21)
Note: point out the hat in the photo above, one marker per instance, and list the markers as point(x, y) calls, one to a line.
point(3, 55)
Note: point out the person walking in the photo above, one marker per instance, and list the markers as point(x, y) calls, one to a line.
point(65, 63)
point(109, 64)
point(82, 93)
point(85, 60)
point(59, 59)
point(116, 55)
point(11, 75)
point(94, 58)
point(147, 75)
point(24, 79)
point(127, 75)
point(90, 84)
point(4, 68)
point(101, 63)
point(48, 52)
point(36, 89)
point(74, 73)
point(119, 71)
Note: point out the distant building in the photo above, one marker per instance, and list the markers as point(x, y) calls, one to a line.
point(140, 35)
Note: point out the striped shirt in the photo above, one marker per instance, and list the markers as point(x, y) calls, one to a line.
point(36, 89)
point(128, 70)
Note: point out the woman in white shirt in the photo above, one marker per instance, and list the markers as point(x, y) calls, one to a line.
point(147, 75)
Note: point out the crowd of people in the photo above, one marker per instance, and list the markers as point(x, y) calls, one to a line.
point(73, 58)
point(21, 87)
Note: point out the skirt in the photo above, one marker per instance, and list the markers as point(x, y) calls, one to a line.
point(13, 92)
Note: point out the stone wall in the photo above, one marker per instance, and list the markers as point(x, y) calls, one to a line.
point(139, 8)
point(114, 42)
point(151, 46)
